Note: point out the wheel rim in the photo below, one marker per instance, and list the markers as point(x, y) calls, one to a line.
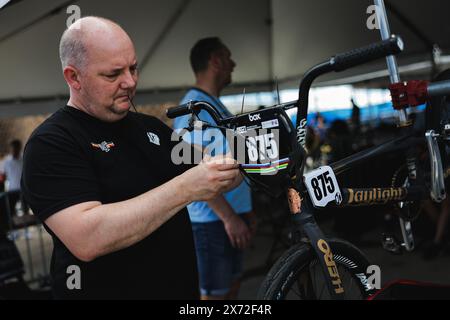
point(308, 283)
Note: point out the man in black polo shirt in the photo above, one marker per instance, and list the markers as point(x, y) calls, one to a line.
point(102, 180)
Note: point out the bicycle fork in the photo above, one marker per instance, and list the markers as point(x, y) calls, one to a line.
point(301, 210)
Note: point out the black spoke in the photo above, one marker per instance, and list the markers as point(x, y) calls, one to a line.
point(323, 285)
point(297, 292)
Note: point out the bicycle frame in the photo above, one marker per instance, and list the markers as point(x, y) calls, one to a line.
point(301, 206)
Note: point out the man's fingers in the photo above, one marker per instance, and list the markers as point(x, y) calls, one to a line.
point(228, 166)
point(206, 157)
point(219, 159)
point(244, 243)
point(224, 164)
point(240, 243)
point(227, 175)
point(247, 237)
point(233, 242)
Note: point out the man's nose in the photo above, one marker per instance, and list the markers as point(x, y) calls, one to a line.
point(129, 80)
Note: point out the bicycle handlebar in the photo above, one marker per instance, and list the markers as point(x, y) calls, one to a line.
point(178, 111)
point(374, 51)
point(416, 92)
point(441, 88)
point(340, 62)
point(194, 107)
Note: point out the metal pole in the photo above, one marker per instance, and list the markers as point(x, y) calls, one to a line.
point(43, 255)
point(30, 258)
point(391, 60)
point(403, 118)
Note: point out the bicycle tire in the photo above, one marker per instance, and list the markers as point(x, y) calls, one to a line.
point(351, 262)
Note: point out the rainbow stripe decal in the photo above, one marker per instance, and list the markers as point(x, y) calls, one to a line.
point(267, 167)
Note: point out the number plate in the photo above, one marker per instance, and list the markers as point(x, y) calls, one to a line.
point(322, 186)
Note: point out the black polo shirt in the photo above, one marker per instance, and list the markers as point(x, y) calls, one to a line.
point(73, 158)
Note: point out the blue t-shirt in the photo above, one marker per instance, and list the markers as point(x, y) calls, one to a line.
point(240, 197)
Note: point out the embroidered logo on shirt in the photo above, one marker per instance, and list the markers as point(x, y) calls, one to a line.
point(104, 146)
point(153, 138)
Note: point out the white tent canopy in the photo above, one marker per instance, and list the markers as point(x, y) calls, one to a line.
point(268, 39)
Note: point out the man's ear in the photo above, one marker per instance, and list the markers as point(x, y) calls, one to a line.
point(72, 76)
point(215, 61)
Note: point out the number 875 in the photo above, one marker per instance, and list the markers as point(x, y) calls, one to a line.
point(320, 190)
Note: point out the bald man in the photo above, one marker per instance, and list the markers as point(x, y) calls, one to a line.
point(102, 181)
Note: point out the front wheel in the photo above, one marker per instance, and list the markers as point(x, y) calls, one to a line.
point(297, 274)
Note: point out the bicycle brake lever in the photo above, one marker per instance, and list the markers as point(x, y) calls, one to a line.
point(407, 234)
point(191, 123)
point(196, 123)
point(437, 174)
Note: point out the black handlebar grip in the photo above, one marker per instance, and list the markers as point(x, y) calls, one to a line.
point(178, 111)
point(441, 88)
point(374, 51)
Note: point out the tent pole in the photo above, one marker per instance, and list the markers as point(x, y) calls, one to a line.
point(165, 31)
point(46, 15)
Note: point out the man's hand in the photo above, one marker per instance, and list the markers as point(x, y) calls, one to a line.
point(253, 222)
point(238, 232)
point(211, 177)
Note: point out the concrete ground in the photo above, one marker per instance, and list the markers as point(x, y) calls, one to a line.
point(35, 247)
point(257, 261)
